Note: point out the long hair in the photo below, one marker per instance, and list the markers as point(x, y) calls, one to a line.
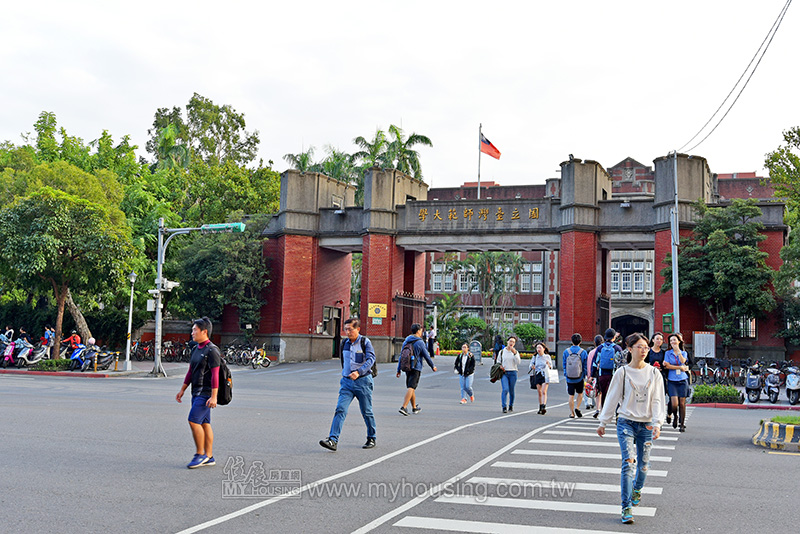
point(635, 338)
point(680, 340)
point(543, 345)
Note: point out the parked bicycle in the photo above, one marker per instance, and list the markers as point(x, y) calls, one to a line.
point(260, 358)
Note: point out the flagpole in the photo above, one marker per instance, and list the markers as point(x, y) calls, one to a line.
point(480, 140)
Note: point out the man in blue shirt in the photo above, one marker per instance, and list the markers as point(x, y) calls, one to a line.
point(573, 361)
point(412, 376)
point(357, 357)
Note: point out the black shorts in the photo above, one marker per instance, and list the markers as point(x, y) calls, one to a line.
point(412, 378)
point(577, 387)
point(603, 381)
point(538, 379)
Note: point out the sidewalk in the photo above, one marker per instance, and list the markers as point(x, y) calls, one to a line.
point(763, 404)
point(138, 369)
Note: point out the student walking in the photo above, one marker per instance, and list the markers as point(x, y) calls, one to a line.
point(656, 358)
point(574, 365)
point(605, 361)
point(509, 360)
point(203, 376)
point(541, 361)
point(639, 391)
point(465, 368)
point(357, 358)
point(676, 361)
point(412, 376)
point(591, 373)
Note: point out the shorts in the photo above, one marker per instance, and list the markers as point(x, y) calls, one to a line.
point(412, 378)
point(577, 387)
point(200, 413)
point(603, 381)
point(538, 379)
point(676, 389)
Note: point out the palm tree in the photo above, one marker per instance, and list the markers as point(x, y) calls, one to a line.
point(303, 161)
point(372, 154)
point(170, 154)
point(401, 152)
point(338, 165)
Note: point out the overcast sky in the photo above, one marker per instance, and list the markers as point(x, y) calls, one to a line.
point(601, 80)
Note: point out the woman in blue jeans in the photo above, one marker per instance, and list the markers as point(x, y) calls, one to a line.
point(638, 389)
point(509, 360)
point(465, 368)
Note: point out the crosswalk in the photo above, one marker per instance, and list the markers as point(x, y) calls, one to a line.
point(575, 472)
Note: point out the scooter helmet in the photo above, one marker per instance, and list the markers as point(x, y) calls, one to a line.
point(74, 332)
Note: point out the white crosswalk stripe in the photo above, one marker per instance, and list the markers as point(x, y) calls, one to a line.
point(583, 486)
point(571, 468)
point(534, 504)
point(482, 527)
point(571, 454)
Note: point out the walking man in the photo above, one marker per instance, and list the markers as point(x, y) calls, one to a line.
point(574, 365)
point(412, 376)
point(357, 357)
point(203, 375)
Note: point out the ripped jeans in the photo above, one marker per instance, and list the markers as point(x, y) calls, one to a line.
point(635, 442)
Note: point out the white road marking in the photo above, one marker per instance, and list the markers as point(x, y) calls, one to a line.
point(532, 504)
point(572, 468)
point(579, 434)
point(521, 482)
point(481, 527)
point(572, 454)
point(601, 443)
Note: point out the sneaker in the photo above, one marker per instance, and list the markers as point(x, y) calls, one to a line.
point(211, 461)
point(578, 413)
point(627, 516)
point(472, 398)
point(416, 409)
point(328, 444)
point(510, 408)
point(596, 413)
point(505, 410)
point(370, 444)
point(463, 401)
point(669, 419)
point(675, 423)
point(197, 461)
point(403, 411)
point(636, 497)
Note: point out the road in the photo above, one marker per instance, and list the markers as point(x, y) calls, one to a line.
point(109, 455)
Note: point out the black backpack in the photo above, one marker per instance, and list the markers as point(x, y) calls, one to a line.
point(374, 369)
point(225, 391)
point(406, 357)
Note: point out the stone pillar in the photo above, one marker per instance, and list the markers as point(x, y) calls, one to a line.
point(579, 285)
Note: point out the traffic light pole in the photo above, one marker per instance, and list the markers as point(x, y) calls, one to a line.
point(163, 285)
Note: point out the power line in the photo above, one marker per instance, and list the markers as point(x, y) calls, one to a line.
point(768, 40)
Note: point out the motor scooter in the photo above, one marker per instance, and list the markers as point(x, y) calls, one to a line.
point(754, 382)
point(31, 355)
point(76, 360)
point(793, 384)
point(8, 354)
point(772, 383)
point(103, 357)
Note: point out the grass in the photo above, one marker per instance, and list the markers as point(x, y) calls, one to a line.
point(787, 419)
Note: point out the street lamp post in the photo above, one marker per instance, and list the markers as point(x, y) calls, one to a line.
point(132, 278)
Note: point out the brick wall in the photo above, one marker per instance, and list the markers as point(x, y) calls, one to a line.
point(332, 279)
point(377, 279)
point(578, 287)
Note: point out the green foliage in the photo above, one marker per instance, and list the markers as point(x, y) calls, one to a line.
point(468, 328)
point(717, 393)
point(786, 419)
point(52, 365)
point(722, 267)
point(529, 334)
point(355, 284)
point(784, 171)
point(400, 151)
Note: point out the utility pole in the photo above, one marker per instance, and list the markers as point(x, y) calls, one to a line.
point(675, 238)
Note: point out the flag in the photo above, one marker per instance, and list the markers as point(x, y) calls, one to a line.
point(488, 148)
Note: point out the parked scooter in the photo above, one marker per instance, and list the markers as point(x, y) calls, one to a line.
point(93, 352)
point(77, 358)
point(754, 382)
point(772, 382)
point(793, 384)
point(8, 354)
point(29, 355)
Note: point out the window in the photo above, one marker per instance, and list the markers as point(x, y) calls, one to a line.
point(448, 283)
point(524, 317)
point(537, 267)
point(526, 268)
point(649, 265)
point(525, 283)
point(536, 317)
point(615, 266)
point(626, 266)
point(438, 267)
point(536, 283)
point(495, 316)
point(638, 266)
point(626, 282)
point(508, 317)
point(615, 282)
point(747, 327)
point(473, 283)
point(436, 286)
point(638, 282)
point(509, 284)
point(648, 282)
point(463, 282)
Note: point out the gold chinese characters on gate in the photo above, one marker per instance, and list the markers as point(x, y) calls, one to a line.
point(483, 214)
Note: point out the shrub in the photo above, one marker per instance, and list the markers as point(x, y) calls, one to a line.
point(787, 419)
point(52, 365)
point(529, 334)
point(717, 393)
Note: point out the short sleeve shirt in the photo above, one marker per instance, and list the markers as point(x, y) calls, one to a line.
point(203, 360)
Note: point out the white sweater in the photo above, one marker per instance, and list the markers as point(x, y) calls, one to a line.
point(509, 360)
point(643, 398)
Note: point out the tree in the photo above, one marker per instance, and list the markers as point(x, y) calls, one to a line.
point(226, 269)
point(372, 154)
point(401, 151)
point(170, 154)
point(56, 240)
point(529, 334)
point(722, 267)
point(355, 284)
point(784, 172)
point(303, 161)
point(787, 289)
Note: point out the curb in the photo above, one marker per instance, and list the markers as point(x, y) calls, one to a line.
point(778, 436)
point(745, 406)
point(66, 373)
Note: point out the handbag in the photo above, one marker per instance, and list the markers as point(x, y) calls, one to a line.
point(551, 375)
point(533, 381)
point(496, 373)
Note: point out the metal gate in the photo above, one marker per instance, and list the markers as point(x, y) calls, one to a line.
point(603, 313)
point(410, 309)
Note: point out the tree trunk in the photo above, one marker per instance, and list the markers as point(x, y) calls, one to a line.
point(77, 316)
point(61, 297)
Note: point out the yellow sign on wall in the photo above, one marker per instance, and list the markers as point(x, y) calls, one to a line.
point(377, 310)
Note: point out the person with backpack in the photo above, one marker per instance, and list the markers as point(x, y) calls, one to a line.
point(639, 391)
point(605, 362)
point(465, 367)
point(410, 362)
point(574, 365)
point(358, 369)
point(539, 363)
point(203, 376)
point(591, 375)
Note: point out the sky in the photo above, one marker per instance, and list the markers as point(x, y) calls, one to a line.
point(600, 80)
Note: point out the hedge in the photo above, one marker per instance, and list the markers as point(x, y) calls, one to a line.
point(724, 394)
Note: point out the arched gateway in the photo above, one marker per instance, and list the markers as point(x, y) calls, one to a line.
point(577, 226)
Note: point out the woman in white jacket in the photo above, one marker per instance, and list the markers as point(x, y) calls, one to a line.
point(509, 360)
point(540, 362)
point(639, 390)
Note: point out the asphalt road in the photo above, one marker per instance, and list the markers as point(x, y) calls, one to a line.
point(109, 455)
